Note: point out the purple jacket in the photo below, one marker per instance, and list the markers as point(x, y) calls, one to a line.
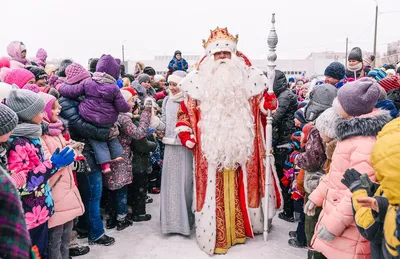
point(103, 99)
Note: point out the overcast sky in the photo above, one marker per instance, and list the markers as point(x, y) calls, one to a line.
point(81, 29)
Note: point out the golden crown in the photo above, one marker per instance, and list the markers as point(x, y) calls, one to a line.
point(220, 34)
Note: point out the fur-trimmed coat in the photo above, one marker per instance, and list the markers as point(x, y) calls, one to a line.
point(356, 138)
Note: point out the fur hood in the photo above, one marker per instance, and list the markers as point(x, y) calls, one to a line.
point(368, 125)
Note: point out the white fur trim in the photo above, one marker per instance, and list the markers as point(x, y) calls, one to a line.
point(183, 129)
point(256, 81)
point(190, 144)
point(205, 220)
point(190, 85)
point(171, 141)
point(174, 78)
point(221, 45)
point(154, 121)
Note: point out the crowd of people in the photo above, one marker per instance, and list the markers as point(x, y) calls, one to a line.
point(75, 140)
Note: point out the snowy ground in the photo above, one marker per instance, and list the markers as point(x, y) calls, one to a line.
point(144, 240)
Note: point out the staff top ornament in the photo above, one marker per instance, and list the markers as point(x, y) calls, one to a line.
point(220, 40)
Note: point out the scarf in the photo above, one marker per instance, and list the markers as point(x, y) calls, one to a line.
point(27, 130)
point(103, 78)
point(55, 128)
point(355, 68)
point(177, 97)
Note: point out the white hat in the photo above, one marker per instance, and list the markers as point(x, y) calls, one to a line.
point(177, 76)
point(5, 90)
point(126, 94)
point(158, 78)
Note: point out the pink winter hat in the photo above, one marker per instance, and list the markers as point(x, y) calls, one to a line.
point(49, 101)
point(4, 62)
point(76, 73)
point(3, 73)
point(19, 76)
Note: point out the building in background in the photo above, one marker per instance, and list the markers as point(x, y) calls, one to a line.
point(392, 55)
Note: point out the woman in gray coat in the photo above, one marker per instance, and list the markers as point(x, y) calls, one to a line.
point(177, 172)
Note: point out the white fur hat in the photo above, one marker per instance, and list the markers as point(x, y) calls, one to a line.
point(177, 76)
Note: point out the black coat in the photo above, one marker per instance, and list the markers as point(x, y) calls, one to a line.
point(141, 149)
point(283, 119)
point(78, 127)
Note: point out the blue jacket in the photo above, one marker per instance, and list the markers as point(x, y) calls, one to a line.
point(175, 64)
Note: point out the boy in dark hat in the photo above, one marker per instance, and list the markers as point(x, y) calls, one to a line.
point(334, 74)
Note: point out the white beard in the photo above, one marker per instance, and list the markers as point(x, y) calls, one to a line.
point(227, 124)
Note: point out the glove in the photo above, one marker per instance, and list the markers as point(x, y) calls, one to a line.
point(63, 158)
point(353, 180)
point(270, 101)
point(325, 235)
point(187, 140)
point(114, 132)
point(148, 103)
point(309, 208)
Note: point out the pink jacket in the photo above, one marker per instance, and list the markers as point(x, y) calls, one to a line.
point(357, 137)
point(67, 200)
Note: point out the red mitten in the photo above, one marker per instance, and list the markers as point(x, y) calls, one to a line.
point(187, 140)
point(270, 101)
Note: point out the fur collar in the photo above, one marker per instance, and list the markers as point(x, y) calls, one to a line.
point(367, 126)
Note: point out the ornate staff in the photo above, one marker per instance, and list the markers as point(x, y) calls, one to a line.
point(272, 42)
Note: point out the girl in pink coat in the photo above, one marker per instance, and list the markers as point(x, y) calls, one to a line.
point(67, 200)
point(17, 52)
point(336, 235)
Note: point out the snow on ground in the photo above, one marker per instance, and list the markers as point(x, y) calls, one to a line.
point(144, 241)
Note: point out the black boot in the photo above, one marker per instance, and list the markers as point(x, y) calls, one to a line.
point(122, 224)
point(104, 241)
point(140, 218)
point(82, 234)
point(292, 234)
point(295, 243)
point(285, 217)
point(149, 199)
point(111, 222)
point(78, 250)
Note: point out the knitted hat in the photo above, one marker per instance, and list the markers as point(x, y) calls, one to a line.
point(390, 83)
point(131, 90)
point(368, 60)
point(5, 90)
point(355, 54)
point(32, 87)
point(321, 98)
point(4, 71)
point(359, 97)
point(4, 62)
point(26, 104)
point(377, 73)
point(19, 76)
point(326, 123)
point(144, 78)
point(38, 72)
point(149, 71)
point(63, 65)
point(158, 78)
point(390, 72)
point(177, 76)
point(8, 120)
point(76, 73)
point(335, 70)
point(49, 101)
point(126, 94)
point(299, 115)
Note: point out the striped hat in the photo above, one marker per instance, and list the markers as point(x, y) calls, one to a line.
point(377, 73)
point(390, 83)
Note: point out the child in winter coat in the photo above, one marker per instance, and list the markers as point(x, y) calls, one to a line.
point(29, 169)
point(67, 200)
point(336, 235)
point(17, 51)
point(177, 63)
point(121, 176)
point(14, 235)
point(101, 106)
point(355, 67)
point(375, 205)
